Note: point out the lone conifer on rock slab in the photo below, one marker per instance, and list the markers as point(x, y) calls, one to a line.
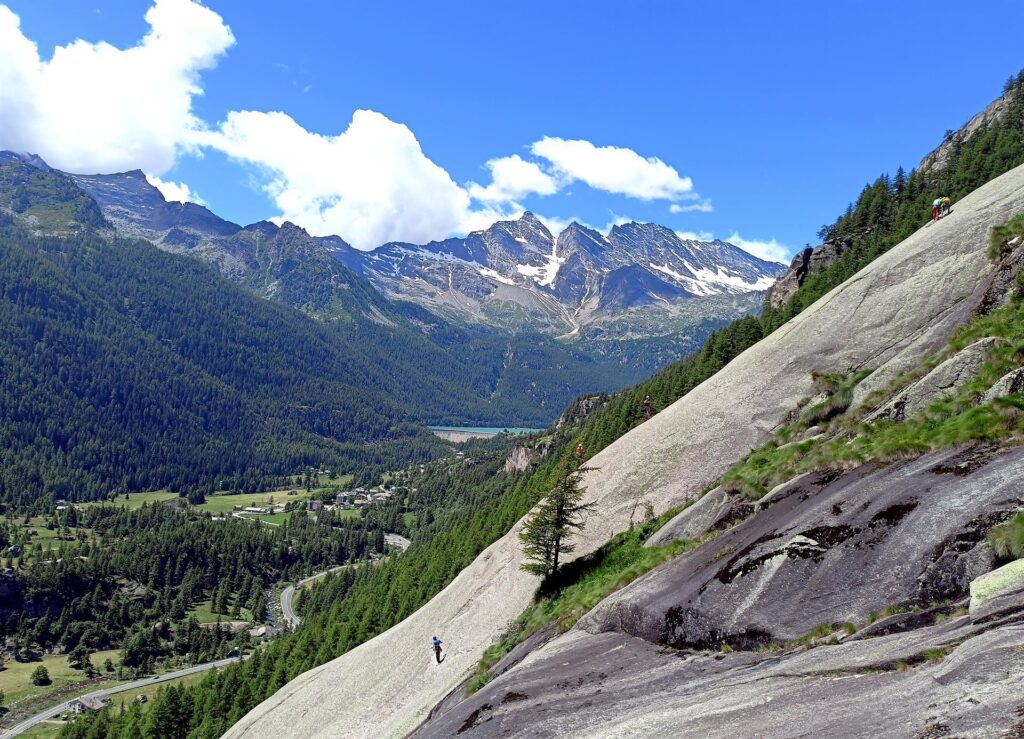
point(559, 515)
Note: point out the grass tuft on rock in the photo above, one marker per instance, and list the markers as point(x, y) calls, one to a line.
point(997, 248)
point(1007, 539)
point(848, 441)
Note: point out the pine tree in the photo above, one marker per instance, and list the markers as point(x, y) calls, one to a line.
point(559, 515)
point(40, 676)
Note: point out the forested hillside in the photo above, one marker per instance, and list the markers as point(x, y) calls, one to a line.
point(126, 368)
point(347, 611)
point(114, 573)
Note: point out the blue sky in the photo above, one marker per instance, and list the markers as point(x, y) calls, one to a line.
point(767, 118)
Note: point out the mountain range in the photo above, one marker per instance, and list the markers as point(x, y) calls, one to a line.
point(518, 274)
point(631, 300)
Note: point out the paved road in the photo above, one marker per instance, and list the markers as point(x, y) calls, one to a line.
point(107, 692)
point(290, 616)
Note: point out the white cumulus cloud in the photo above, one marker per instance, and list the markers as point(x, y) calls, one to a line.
point(175, 192)
point(613, 169)
point(695, 236)
point(371, 184)
point(771, 250)
point(94, 107)
point(97, 108)
point(701, 206)
point(513, 178)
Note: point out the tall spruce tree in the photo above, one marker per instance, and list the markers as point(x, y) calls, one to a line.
point(559, 515)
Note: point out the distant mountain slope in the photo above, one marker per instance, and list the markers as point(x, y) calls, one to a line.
point(629, 302)
point(125, 367)
point(517, 274)
point(439, 372)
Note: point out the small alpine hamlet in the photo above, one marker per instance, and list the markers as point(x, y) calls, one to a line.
point(590, 370)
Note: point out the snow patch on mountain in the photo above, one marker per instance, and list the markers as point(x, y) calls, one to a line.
point(543, 274)
point(492, 274)
point(694, 286)
point(721, 277)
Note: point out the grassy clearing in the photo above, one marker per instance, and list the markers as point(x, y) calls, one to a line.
point(16, 680)
point(45, 730)
point(130, 697)
point(133, 501)
point(205, 615)
point(580, 586)
point(945, 423)
point(220, 505)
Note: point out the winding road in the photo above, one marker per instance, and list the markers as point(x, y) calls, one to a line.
point(107, 692)
point(290, 616)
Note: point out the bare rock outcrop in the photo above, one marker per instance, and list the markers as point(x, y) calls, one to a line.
point(941, 382)
point(518, 460)
point(786, 286)
point(939, 157)
point(805, 263)
point(714, 510)
point(851, 545)
point(1010, 383)
point(579, 409)
point(998, 591)
point(904, 304)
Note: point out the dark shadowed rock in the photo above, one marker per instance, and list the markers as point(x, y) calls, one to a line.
point(805, 263)
point(850, 545)
point(786, 286)
point(612, 685)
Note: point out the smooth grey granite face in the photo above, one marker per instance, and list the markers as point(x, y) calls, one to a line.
point(895, 311)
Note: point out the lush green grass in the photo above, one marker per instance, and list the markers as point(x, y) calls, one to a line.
point(133, 501)
point(580, 586)
point(1002, 234)
point(220, 505)
point(1007, 538)
point(204, 614)
point(838, 389)
point(51, 729)
point(129, 697)
point(945, 423)
point(275, 518)
point(16, 682)
point(45, 730)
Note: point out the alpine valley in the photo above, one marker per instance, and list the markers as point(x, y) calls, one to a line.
point(624, 303)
